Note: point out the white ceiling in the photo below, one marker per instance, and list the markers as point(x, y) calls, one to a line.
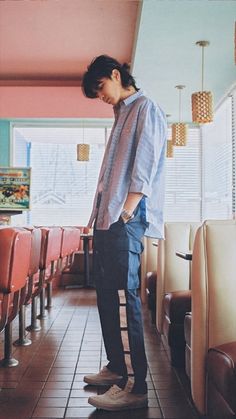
point(166, 54)
point(52, 41)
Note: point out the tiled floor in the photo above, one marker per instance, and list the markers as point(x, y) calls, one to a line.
point(48, 382)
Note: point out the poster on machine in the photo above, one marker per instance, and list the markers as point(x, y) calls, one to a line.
point(15, 188)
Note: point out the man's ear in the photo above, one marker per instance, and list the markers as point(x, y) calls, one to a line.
point(116, 74)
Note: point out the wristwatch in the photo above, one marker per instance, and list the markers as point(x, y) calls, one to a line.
point(126, 215)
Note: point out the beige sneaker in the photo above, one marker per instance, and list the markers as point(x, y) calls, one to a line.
point(105, 377)
point(117, 399)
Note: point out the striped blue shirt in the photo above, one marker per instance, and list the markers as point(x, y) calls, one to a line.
point(134, 161)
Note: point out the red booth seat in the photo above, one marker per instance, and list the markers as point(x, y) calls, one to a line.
point(15, 248)
point(69, 245)
point(48, 264)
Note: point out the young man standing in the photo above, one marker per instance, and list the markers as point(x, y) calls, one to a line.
point(128, 204)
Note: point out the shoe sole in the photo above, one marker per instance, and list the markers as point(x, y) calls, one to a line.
point(101, 383)
point(116, 409)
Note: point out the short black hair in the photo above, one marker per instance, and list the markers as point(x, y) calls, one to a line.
point(103, 66)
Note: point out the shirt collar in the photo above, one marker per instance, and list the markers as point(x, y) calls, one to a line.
point(129, 100)
point(133, 97)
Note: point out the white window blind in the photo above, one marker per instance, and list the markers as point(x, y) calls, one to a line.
point(217, 164)
point(183, 180)
point(62, 188)
point(233, 96)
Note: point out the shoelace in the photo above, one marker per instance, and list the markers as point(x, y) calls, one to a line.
point(114, 390)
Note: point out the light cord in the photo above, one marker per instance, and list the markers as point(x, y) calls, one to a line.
point(202, 67)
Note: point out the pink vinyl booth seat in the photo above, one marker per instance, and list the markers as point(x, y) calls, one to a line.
point(69, 245)
point(34, 285)
point(33, 289)
point(15, 247)
point(49, 263)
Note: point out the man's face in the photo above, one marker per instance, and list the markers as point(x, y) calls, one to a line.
point(110, 89)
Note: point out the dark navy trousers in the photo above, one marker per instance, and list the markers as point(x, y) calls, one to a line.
point(116, 266)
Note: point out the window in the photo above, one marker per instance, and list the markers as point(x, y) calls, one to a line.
point(199, 177)
point(62, 188)
point(183, 180)
point(217, 164)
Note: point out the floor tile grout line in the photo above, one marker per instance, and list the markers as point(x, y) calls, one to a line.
point(79, 351)
point(50, 368)
point(154, 387)
point(157, 397)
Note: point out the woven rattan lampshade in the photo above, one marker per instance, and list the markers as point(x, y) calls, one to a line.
point(170, 149)
point(179, 129)
point(83, 152)
point(202, 102)
point(179, 134)
point(202, 107)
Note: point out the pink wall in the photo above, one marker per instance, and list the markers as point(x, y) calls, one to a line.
point(50, 102)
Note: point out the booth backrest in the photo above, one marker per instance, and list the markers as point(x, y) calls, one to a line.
point(15, 247)
point(50, 245)
point(173, 273)
point(36, 236)
point(70, 240)
point(213, 298)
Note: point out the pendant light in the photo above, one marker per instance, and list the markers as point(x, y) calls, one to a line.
point(202, 102)
point(179, 129)
point(170, 147)
point(83, 150)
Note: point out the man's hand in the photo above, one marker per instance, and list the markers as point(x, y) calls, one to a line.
point(126, 216)
point(130, 204)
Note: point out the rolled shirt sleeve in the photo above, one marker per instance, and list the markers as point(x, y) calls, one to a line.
point(150, 139)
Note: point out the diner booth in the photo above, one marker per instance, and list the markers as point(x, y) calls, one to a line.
point(52, 142)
